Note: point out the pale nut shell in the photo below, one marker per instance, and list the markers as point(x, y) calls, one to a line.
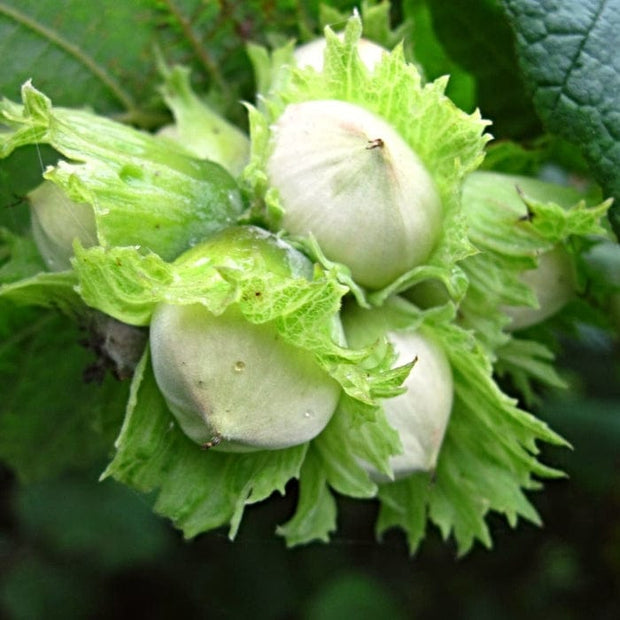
point(553, 282)
point(345, 176)
point(235, 385)
point(57, 222)
point(421, 414)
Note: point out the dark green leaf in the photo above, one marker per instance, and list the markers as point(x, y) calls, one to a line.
point(19, 257)
point(476, 36)
point(61, 47)
point(106, 524)
point(46, 289)
point(35, 587)
point(353, 594)
point(50, 419)
point(19, 173)
point(569, 55)
point(593, 427)
point(429, 52)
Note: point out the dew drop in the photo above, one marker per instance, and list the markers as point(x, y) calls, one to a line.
point(308, 414)
point(239, 366)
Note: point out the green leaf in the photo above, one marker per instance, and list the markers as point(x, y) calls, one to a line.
point(404, 504)
point(198, 489)
point(568, 54)
point(336, 448)
point(431, 54)
point(526, 361)
point(143, 191)
point(19, 257)
point(198, 128)
point(315, 517)
point(376, 18)
point(105, 524)
point(20, 173)
point(270, 67)
point(50, 419)
point(333, 463)
point(122, 282)
point(57, 45)
point(353, 593)
point(34, 584)
point(60, 47)
point(489, 454)
point(49, 290)
point(477, 37)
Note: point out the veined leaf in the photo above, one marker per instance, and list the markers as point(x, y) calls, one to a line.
point(60, 47)
point(568, 54)
point(476, 36)
point(50, 419)
point(143, 191)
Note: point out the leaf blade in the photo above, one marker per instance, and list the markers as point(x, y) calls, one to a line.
point(77, 71)
point(569, 58)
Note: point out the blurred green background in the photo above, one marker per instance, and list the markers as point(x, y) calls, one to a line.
point(74, 548)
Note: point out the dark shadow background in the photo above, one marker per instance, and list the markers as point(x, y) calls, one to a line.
point(74, 548)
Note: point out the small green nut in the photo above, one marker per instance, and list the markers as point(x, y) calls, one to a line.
point(497, 200)
point(57, 222)
point(231, 384)
point(347, 177)
point(420, 414)
point(553, 282)
point(237, 385)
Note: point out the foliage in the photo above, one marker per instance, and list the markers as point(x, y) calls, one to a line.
point(491, 455)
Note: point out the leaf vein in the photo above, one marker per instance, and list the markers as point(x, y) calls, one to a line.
point(578, 53)
point(200, 50)
point(71, 50)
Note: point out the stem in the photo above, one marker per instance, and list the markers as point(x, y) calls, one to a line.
point(201, 52)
